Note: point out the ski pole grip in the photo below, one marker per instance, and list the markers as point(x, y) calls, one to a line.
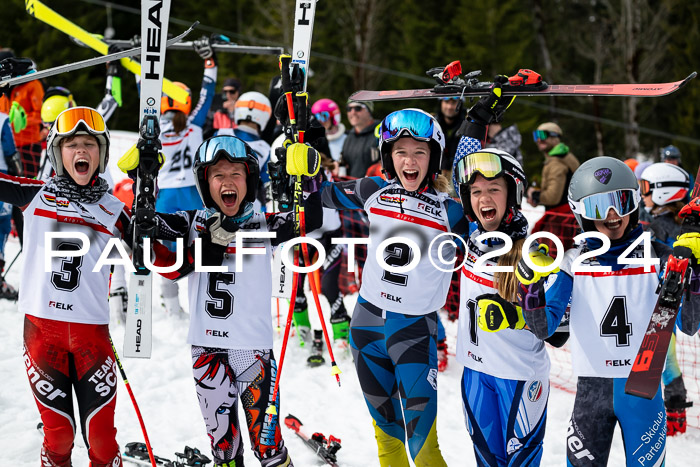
point(302, 99)
point(683, 252)
point(285, 62)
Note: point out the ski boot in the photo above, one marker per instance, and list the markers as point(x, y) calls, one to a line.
point(118, 303)
point(341, 328)
point(7, 292)
point(442, 355)
point(316, 357)
point(302, 325)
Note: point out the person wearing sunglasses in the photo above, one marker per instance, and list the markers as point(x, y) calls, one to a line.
point(394, 324)
point(235, 363)
point(360, 146)
point(224, 117)
point(67, 348)
point(609, 312)
point(664, 188)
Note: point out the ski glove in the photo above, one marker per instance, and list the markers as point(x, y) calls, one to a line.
point(129, 162)
point(690, 240)
point(527, 275)
point(488, 109)
point(223, 228)
point(302, 160)
point(18, 117)
point(14, 165)
point(496, 314)
point(203, 47)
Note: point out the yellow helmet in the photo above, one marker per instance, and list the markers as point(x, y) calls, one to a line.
point(56, 100)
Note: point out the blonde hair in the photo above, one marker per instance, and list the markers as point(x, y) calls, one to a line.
point(506, 282)
point(440, 183)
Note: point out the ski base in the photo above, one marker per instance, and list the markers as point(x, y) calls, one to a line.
point(541, 89)
point(137, 335)
point(325, 449)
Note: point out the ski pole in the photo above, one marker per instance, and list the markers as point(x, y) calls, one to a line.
point(133, 401)
point(302, 99)
point(7, 269)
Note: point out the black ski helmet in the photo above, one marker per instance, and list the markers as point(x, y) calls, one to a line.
point(234, 150)
point(490, 163)
point(420, 126)
point(604, 175)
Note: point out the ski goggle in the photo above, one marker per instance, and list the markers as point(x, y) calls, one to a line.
point(234, 149)
point(322, 116)
point(417, 124)
point(484, 163)
point(541, 135)
point(69, 119)
point(595, 207)
point(647, 187)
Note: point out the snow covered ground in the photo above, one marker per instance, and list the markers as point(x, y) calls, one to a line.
point(164, 390)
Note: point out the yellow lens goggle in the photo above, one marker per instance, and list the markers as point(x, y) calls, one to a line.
point(69, 119)
point(484, 163)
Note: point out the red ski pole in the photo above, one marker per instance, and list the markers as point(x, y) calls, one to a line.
point(136, 406)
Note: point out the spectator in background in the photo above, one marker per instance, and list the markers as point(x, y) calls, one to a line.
point(25, 118)
point(224, 117)
point(9, 163)
point(559, 165)
point(506, 139)
point(360, 149)
point(450, 117)
point(672, 155)
point(327, 112)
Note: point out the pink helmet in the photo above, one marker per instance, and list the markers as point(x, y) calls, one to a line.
point(323, 109)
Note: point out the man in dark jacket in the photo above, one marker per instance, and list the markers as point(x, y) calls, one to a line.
point(360, 147)
point(450, 117)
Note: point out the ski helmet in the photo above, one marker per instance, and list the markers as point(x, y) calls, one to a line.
point(420, 126)
point(72, 122)
point(600, 184)
point(168, 103)
point(490, 163)
point(670, 152)
point(324, 109)
point(56, 100)
point(665, 182)
point(253, 107)
point(234, 150)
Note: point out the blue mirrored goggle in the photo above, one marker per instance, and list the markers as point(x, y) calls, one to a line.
point(596, 207)
point(234, 148)
point(322, 116)
point(541, 135)
point(417, 124)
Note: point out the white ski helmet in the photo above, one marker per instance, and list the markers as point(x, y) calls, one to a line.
point(666, 183)
point(253, 107)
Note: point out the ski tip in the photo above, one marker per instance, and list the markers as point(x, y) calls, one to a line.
point(690, 76)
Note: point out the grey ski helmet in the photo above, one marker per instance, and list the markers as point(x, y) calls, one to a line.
point(604, 175)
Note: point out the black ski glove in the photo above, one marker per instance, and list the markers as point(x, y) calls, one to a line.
point(14, 165)
point(487, 109)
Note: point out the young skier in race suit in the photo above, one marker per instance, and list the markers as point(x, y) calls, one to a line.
point(664, 189)
point(505, 383)
point(231, 327)
point(66, 337)
point(610, 312)
point(393, 330)
point(181, 135)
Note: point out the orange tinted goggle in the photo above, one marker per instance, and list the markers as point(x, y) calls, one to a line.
point(69, 119)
